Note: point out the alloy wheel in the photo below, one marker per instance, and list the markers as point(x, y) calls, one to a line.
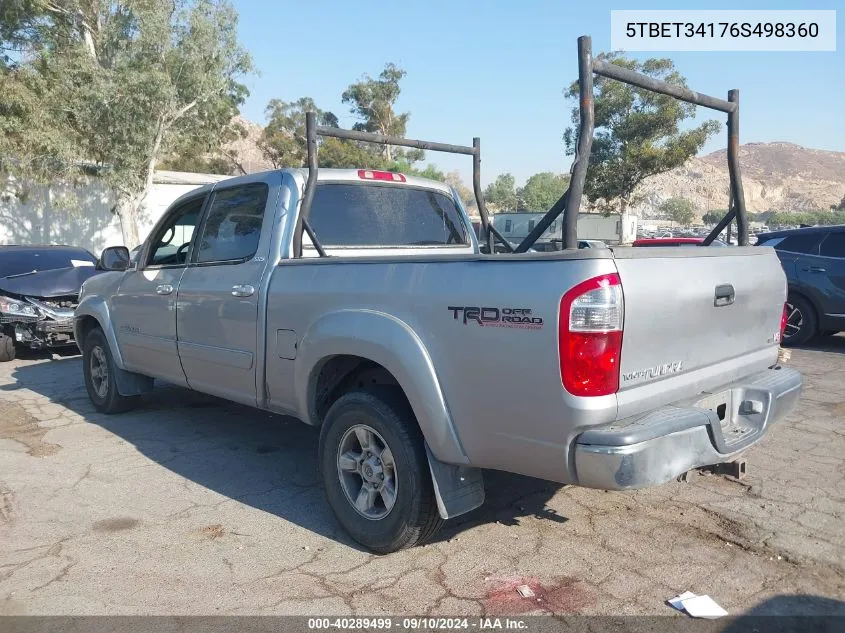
point(367, 472)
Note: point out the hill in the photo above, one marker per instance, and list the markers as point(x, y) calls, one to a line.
point(776, 177)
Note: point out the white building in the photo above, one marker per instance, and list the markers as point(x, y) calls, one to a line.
point(82, 215)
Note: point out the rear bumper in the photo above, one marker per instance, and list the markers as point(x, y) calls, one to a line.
point(657, 447)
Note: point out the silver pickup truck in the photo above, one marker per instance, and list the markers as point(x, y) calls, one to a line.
point(361, 302)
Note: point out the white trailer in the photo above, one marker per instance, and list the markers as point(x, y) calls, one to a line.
point(612, 229)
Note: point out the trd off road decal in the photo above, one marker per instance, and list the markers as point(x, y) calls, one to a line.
point(497, 317)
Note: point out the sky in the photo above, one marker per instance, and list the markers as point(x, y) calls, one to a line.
point(497, 70)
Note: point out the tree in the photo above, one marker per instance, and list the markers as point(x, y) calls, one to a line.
point(208, 156)
point(128, 84)
point(637, 132)
point(372, 101)
point(713, 217)
point(283, 139)
point(679, 210)
point(453, 179)
point(501, 193)
point(542, 190)
point(840, 206)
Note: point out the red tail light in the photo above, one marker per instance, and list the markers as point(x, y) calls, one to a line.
point(784, 319)
point(590, 336)
point(369, 174)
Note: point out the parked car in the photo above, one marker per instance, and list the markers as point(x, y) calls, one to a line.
point(418, 357)
point(675, 241)
point(39, 286)
point(814, 262)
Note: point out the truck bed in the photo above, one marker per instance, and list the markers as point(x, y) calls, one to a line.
point(501, 379)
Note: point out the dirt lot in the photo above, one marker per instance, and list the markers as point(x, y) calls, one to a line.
point(191, 505)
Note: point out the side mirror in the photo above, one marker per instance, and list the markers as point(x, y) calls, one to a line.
point(114, 258)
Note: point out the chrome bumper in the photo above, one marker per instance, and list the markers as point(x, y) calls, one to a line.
point(659, 446)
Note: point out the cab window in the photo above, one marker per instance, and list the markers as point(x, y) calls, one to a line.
point(171, 243)
point(233, 224)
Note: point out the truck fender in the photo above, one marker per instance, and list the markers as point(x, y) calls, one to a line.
point(390, 342)
point(128, 383)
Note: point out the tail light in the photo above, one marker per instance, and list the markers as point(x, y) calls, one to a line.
point(590, 336)
point(370, 174)
point(784, 319)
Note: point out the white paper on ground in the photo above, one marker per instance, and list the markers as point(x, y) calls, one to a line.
point(703, 607)
point(678, 600)
point(80, 262)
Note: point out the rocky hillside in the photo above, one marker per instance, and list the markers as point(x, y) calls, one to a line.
point(246, 151)
point(775, 176)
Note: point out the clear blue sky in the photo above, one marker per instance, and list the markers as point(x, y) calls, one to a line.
point(497, 69)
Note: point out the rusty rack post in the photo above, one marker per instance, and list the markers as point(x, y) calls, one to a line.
point(570, 202)
point(312, 130)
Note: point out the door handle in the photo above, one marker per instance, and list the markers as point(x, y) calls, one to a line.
point(164, 289)
point(816, 269)
point(242, 290)
point(724, 295)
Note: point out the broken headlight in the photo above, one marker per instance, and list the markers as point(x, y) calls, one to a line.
point(17, 307)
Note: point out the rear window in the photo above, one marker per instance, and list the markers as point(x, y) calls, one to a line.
point(798, 243)
point(16, 261)
point(384, 215)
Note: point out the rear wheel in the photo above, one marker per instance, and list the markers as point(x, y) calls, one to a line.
point(7, 348)
point(100, 376)
point(801, 322)
point(375, 471)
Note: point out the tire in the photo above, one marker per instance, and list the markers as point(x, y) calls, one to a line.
point(412, 518)
point(7, 348)
point(802, 324)
point(102, 389)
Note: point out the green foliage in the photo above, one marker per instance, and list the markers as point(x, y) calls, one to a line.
point(542, 190)
point(283, 140)
point(713, 217)
point(821, 217)
point(637, 132)
point(372, 101)
point(501, 193)
point(125, 84)
point(678, 210)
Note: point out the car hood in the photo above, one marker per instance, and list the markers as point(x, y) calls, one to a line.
point(49, 283)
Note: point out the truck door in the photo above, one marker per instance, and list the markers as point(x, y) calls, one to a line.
point(219, 294)
point(143, 310)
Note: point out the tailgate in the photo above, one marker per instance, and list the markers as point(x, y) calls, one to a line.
point(690, 311)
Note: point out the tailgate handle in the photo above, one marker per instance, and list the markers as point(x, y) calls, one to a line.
point(724, 295)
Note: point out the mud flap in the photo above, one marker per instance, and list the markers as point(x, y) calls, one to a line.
point(458, 489)
point(131, 384)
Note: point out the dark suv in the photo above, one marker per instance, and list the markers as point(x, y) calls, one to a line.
point(814, 262)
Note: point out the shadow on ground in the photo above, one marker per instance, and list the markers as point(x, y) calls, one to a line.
point(788, 613)
point(258, 458)
point(834, 343)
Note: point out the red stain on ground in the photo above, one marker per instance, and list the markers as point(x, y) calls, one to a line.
point(560, 596)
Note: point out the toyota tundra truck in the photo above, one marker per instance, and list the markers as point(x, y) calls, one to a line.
point(362, 302)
